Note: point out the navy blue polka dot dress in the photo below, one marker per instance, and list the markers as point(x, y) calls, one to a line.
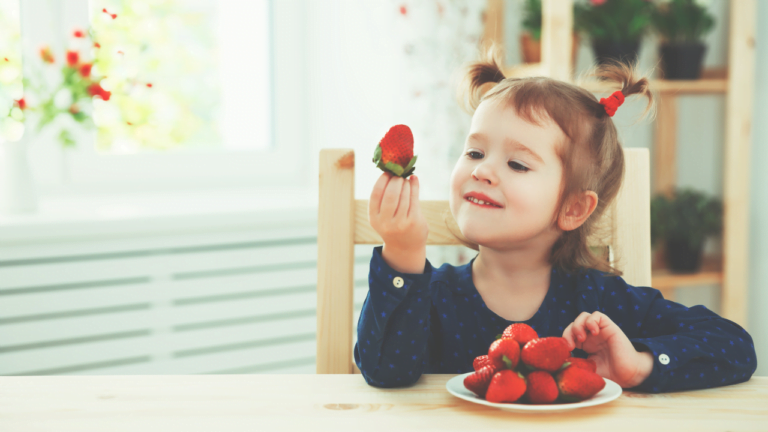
point(437, 322)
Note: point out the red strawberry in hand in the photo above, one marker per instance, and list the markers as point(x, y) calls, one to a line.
point(478, 381)
point(506, 386)
point(522, 333)
point(576, 384)
point(586, 364)
point(505, 352)
point(394, 153)
point(547, 353)
point(541, 388)
point(481, 361)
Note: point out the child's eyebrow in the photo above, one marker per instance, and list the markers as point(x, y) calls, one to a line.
point(515, 144)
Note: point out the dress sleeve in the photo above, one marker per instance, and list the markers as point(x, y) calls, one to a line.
point(393, 329)
point(693, 348)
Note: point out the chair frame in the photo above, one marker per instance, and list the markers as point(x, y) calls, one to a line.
point(625, 230)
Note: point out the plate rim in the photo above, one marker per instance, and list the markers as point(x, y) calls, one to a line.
point(534, 408)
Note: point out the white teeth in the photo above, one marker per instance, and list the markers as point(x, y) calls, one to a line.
point(481, 202)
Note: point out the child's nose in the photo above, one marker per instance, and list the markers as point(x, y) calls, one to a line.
point(484, 172)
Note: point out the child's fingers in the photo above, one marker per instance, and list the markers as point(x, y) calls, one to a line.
point(391, 198)
point(579, 333)
point(374, 204)
point(405, 200)
point(568, 336)
point(414, 205)
point(592, 324)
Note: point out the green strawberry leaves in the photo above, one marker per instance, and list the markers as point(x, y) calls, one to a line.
point(392, 167)
point(507, 361)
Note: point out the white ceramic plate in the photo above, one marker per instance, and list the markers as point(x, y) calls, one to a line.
point(611, 391)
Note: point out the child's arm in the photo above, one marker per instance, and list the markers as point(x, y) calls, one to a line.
point(393, 329)
point(692, 348)
point(394, 324)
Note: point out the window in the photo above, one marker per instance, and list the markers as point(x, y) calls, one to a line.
point(206, 94)
point(11, 90)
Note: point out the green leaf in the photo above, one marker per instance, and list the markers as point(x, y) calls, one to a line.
point(507, 361)
point(394, 168)
point(410, 165)
point(377, 154)
point(498, 336)
point(565, 365)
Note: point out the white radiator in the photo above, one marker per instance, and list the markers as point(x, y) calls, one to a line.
point(236, 301)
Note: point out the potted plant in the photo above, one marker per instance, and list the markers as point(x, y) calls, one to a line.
point(615, 27)
point(530, 39)
point(682, 222)
point(682, 24)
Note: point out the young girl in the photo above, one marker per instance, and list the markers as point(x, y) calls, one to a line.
point(541, 163)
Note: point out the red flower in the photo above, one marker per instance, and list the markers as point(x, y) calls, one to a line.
point(85, 69)
point(403, 10)
point(46, 54)
point(112, 15)
point(97, 45)
point(96, 90)
point(6, 58)
point(22, 103)
point(597, 2)
point(72, 57)
point(149, 85)
point(78, 33)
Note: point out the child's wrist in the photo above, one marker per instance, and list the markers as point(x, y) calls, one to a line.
point(644, 368)
point(405, 260)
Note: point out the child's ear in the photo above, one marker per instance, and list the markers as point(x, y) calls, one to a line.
point(577, 211)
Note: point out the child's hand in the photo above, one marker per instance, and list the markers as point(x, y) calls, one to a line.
point(394, 212)
point(610, 348)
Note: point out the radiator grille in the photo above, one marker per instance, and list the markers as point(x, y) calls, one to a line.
point(225, 304)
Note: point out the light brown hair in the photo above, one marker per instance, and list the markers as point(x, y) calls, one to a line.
point(592, 157)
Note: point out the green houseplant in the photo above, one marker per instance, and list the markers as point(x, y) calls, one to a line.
point(682, 222)
point(682, 25)
point(615, 27)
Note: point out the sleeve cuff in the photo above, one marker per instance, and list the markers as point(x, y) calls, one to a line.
point(663, 361)
point(394, 283)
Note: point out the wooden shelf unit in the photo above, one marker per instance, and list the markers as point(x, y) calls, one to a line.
point(736, 83)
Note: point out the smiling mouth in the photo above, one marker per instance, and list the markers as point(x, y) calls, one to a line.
point(481, 203)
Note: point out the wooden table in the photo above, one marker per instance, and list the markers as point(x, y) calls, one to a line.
point(186, 403)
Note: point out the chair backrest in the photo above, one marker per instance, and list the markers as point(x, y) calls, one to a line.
point(624, 230)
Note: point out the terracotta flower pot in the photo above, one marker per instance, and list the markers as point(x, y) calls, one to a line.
point(531, 48)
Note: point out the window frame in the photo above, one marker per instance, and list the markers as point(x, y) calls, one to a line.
point(83, 170)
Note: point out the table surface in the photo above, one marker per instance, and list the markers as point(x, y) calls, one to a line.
point(187, 403)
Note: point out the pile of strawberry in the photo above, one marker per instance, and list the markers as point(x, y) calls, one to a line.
point(521, 367)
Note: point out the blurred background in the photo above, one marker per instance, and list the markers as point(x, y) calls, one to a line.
point(159, 160)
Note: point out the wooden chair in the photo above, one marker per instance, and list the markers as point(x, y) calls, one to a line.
point(624, 231)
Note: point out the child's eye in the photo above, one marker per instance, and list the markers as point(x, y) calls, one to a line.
point(518, 167)
point(469, 153)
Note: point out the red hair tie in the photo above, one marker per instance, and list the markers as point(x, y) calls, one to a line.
point(613, 102)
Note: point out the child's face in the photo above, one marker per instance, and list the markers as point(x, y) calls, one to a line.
point(525, 184)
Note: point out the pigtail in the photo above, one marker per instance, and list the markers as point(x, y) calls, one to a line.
point(630, 81)
point(478, 77)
